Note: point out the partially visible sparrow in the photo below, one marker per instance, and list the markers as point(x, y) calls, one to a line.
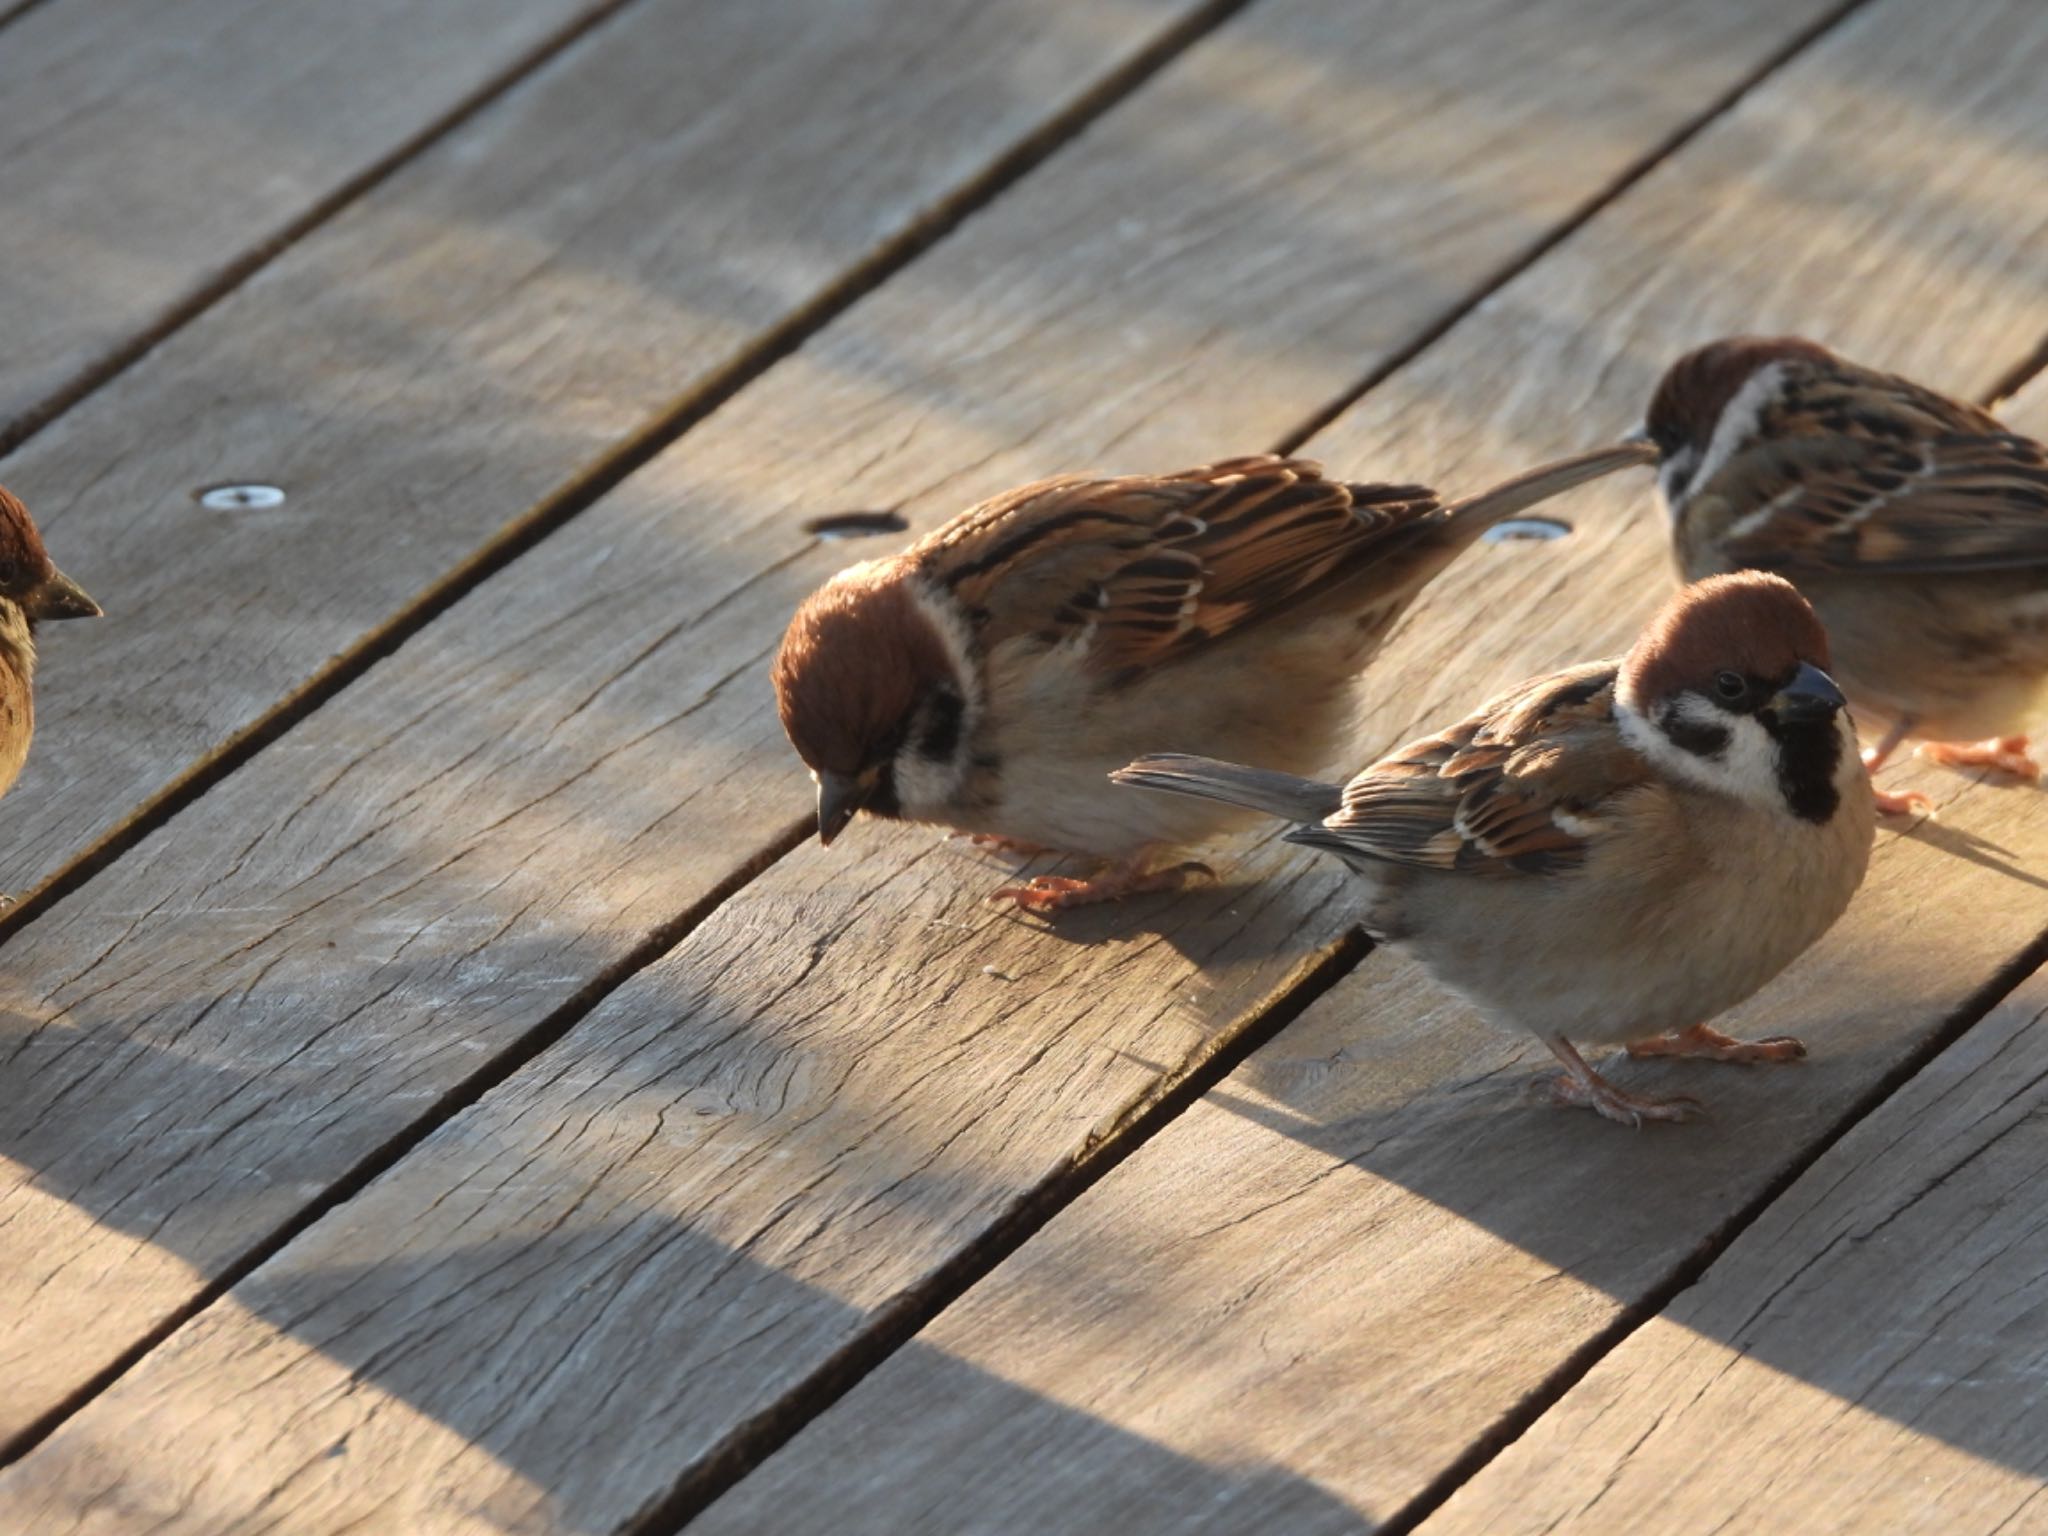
point(32, 591)
point(1917, 526)
point(989, 678)
point(1618, 852)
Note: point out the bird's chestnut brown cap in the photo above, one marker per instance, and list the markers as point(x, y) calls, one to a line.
point(1696, 389)
point(854, 663)
point(1748, 622)
point(27, 573)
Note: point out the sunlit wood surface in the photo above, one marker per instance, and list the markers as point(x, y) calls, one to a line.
point(441, 1089)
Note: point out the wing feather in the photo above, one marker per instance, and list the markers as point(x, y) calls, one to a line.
point(1142, 570)
point(1859, 471)
point(1522, 787)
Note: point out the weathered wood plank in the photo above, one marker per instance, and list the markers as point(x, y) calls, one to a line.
point(1304, 1301)
point(1871, 1356)
point(497, 314)
point(476, 335)
point(152, 147)
point(237, 1062)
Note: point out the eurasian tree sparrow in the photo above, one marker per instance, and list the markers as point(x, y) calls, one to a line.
point(1617, 852)
point(988, 678)
point(32, 591)
point(1916, 525)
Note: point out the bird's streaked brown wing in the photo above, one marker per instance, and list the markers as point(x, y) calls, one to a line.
point(1519, 788)
point(1141, 570)
point(1908, 482)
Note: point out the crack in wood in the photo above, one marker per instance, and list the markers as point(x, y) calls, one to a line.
point(756, 1438)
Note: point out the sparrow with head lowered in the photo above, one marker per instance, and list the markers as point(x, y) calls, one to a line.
point(988, 678)
point(1916, 524)
point(32, 591)
point(1617, 852)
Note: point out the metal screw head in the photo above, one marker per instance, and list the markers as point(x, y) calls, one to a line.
point(239, 498)
point(1517, 528)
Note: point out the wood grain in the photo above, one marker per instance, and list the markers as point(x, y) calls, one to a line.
point(150, 147)
point(469, 329)
point(294, 970)
point(1872, 1355)
point(1303, 1302)
point(479, 333)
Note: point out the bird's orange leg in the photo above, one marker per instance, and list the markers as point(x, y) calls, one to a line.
point(1709, 1044)
point(1582, 1086)
point(1892, 802)
point(2006, 754)
point(1055, 893)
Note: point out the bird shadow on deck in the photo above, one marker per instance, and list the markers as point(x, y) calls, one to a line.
point(732, 1178)
point(525, 1417)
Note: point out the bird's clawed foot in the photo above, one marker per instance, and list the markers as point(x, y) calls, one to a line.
point(2003, 754)
point(1911, 802)
point(1584, 1088)
point(1891, 802)
point(1708, 1044)
point(1047, 894)
point(1596, 1093)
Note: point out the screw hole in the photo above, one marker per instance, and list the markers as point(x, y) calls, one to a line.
point(854, 525)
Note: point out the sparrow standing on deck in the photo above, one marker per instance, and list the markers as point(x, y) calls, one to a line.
point(32, 591)
point(1618, 852)
point(988, 678)
point(1917, 525)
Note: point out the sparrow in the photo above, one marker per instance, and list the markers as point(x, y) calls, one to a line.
point(1916, 525)
point(1617, 852)
point(989, 677)
point(32, 591)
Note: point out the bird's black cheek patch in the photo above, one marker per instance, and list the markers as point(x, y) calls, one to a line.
point(1807, 757)
point(1699, 737)
point(885, 801)
point(941, 735)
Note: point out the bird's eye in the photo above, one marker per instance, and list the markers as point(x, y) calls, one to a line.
point(10, 572)
point(1731, 686)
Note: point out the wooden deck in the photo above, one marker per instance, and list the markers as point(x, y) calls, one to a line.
point(441, 1089)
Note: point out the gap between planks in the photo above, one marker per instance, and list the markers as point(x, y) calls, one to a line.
point(183, 312)
point(1684, 134)
point(382, 1159)
point(1518, 1420)
point(1163, 1101)
point(753, 1440)
point(11, 14)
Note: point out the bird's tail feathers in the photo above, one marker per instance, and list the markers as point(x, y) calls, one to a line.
point(1536, 485)
point(1259, 789)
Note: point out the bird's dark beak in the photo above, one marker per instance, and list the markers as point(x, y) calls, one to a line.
point(838, 798)
point(1811, 695)
point(59, 598)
